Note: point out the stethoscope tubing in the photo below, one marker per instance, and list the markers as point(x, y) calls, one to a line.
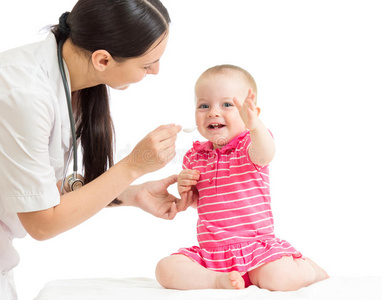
point(76, 181)
point(69, 104)
point(66, 171)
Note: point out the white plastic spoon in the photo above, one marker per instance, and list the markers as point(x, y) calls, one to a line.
point(189, 129)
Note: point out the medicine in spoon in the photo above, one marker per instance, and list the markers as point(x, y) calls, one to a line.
point(189, 129)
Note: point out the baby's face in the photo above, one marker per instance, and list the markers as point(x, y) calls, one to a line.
point(216, 116)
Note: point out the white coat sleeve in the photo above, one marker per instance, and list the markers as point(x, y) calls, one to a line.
point(27, 178)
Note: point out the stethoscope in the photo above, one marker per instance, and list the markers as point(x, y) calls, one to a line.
point(73, 181)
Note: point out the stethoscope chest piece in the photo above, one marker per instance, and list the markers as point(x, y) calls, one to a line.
point(73, 182)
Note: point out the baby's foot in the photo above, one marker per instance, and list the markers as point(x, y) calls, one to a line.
point(320, 272)
point(232, 280)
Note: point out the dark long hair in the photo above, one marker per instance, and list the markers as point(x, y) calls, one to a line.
point(124, 28)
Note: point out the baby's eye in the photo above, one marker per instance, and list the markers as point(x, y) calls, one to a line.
point(227, 104)
point(203, 106)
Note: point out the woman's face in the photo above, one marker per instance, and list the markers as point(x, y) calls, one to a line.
point(121, 74)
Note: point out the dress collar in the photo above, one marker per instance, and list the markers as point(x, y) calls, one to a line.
point(208, 146)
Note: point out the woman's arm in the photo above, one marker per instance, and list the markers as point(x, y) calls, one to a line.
point(151, 153)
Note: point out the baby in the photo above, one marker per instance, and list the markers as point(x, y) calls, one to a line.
point(227, 178)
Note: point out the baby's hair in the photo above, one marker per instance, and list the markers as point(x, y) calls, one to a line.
point(223, 69)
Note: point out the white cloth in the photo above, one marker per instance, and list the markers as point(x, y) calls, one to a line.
point(334, 288)
point(7, 286)
point(34, 135)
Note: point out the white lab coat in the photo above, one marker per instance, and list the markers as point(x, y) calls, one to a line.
point(34, 142)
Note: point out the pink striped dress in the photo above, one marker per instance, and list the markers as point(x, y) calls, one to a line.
point(235, 225)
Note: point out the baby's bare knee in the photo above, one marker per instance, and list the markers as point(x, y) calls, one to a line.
point(284, 274)
point(275, 282)
point(167, 270)
point(283, 280)
point(162, 271)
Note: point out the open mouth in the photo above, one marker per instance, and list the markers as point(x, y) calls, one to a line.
point(215, 126)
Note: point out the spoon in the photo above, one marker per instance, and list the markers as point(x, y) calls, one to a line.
point(189, 129)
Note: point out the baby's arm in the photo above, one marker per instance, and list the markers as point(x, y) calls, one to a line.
point(187, 180)
point(262, 148)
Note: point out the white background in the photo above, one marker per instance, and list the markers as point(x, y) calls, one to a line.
point(318, 69)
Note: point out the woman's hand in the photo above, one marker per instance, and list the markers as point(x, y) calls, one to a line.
point(154, 198)
point(154, 151)
point(190, 198)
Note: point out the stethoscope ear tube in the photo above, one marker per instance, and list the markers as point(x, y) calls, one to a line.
point(73, 181)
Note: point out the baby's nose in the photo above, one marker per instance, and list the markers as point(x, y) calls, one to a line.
point(214, 113)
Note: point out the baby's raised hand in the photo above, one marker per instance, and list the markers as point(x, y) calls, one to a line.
point(186, 179)
point(249, 112)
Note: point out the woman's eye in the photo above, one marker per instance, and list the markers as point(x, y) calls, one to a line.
point(147, 68)
point(227, 104)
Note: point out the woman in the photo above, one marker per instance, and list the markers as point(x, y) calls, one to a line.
point(103, 43)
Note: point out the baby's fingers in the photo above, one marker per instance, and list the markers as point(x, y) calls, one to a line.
point(237, 103)
point(188, 182)
point(251, 94)
point(189, 174)
point(249, 104)
point(188, 178)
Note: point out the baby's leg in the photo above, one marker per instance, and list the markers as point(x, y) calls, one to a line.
point(320, 272)
point(180, 272)
point(287, 274)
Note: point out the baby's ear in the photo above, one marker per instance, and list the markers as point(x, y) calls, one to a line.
point(258, 110)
